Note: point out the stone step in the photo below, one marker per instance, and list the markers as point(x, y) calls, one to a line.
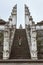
point(20, 48)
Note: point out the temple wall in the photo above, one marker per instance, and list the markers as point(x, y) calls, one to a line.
point(39, 27)
point(1, 27)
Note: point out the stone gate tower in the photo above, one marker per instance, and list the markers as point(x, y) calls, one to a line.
point(20, 39)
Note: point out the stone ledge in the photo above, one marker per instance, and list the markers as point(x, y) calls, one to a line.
point(21, 61)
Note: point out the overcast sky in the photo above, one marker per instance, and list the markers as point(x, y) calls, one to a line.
point(35, 7)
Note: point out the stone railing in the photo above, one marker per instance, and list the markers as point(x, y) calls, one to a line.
point(12, 32)
point(8, 40)
point(28, 37)
point(31, 36)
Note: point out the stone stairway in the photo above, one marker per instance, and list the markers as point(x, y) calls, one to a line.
point(1, 51)
point(1, 45)
point(40, 44)
point(40, 51)
point(20, 47)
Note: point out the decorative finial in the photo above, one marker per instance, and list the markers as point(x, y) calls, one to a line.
point(30, 18)
point(20, 26)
